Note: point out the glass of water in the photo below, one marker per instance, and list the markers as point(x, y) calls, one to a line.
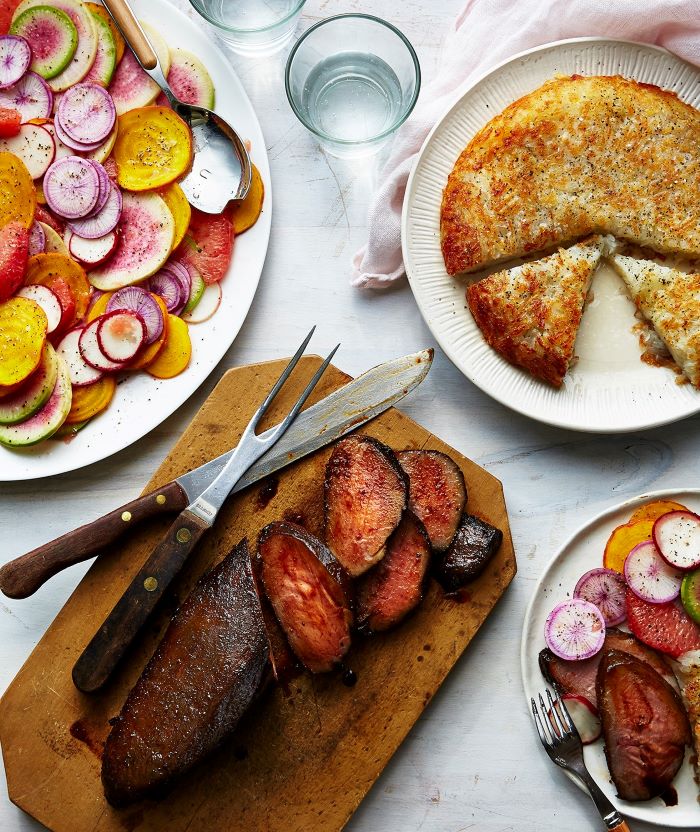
point(352, 80)
point(252, 27)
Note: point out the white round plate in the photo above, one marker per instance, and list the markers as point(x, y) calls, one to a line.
point(609, 390)
point(142, 402)
point(584, 551)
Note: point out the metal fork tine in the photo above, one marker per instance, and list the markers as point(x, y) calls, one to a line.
point(538, 724)
point(555, 718)
point(551, 737)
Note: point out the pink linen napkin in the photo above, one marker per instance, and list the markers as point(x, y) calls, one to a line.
point(485, 33)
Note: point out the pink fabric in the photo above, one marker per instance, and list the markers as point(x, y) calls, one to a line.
point(485, 33)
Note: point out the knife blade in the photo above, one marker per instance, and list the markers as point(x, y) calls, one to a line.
point(342, 411)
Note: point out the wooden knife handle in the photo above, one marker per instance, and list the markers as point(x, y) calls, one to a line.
point(130, 29)
point(621, 827)
point(23, 576)
point(109, 644)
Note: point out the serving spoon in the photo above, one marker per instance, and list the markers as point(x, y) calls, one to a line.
point(221, 168)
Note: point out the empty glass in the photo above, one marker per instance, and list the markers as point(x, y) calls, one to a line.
point(352, 80)
point(252, 27)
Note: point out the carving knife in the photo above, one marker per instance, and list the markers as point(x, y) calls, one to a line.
point(342, 411)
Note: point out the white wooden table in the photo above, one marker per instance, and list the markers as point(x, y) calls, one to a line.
point(473, 761)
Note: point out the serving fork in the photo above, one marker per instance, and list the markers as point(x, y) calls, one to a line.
point(562, 742)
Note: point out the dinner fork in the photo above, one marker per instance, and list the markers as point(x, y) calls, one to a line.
point(562, 742)
point(108, 645)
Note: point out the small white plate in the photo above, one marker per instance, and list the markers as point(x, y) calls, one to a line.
point(141, 402)
point(609, 390)
point(584, 551)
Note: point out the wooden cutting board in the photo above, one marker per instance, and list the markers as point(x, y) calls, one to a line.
point(304, 757)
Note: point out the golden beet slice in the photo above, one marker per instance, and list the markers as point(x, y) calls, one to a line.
point(437, 493)
point(306, 588)
point(394, 587)
point(365, 495)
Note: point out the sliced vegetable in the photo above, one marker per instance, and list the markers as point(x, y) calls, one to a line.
point(131, 87)
point(86, 113)
point(649, 576)
point(121, 335)
point(34, 146)
point(81, 373)
point(105, 62)
point(98, 305)
point(45, 216)
point(103, 222)
point(690, 595)
point(76, 147)
point(47, 420)
point(45, 268)
point(37, 239)
point(197, 287)
point(174, 197)
point(575, 630)
point(176, 354)
point(677, 537)
point(168, 287)
point(30, 96)
point(34, 393)
point(17, 194)
point(10, 122)
point(77, 67)
point(605, 589)
point(15, 57)
point(147, 230)
point(98, 10)
point(149, 353)
point(53, 243)
point(60, 287)
point(665, 627)
point(14, 249)
point(584, 716)
point(23, 327)
point(189, 79)
point(92, 353)
point(91, 400)
point(92, 252)
point(48, 300)
point(153, 148)
point(52, 36)
point(72, 187)
point(101, 153)
point(7, 8)
point(650, 511)
point(244, 214)
point(137, 300)
point(208, 245)
point(621, 542)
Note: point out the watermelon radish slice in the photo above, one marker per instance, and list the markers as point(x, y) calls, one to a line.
point(197, 287)
point(574, 630)
point(32, 395)
point(605, 589)
point(52, 36)
point(677, 537)
point(584, 716)
point(649, 576)
point(86, 50)
point(37, 239)
point(131, 87)
point(104, 221)
point(47, 300)
point(62, 150)
point(92, 252)
point(189, 79)
point(86, 113)
point(81, 373)
point(90, 349)
point(105, 62)
point(34, 146)
point(15, 57)
point(72, 187)
point(664, 627)
point(209, 301)
point(48, 419)
point(121, 335)
point(30, 96)
point(147, 234)
point(137, 299)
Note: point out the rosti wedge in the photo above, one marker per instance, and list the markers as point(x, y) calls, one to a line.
point(579, 155)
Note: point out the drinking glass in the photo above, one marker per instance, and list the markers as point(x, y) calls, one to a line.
point(352, 80)
point(252, 27)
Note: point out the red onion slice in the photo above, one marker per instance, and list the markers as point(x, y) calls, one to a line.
point(72, 187)
point(136, 299)
point(87, 113)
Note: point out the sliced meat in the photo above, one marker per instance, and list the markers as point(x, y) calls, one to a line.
point(644, 726)
point(578, 678)
point(473, 546)
point(366, 492)
point(306, 587)
point(394, 587)
point(201, 679)
point(437, 493)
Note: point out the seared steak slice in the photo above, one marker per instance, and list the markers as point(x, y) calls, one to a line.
point(472, 547)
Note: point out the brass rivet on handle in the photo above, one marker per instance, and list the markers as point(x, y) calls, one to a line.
point(183, 535)
point(126, 516)
point(150, 584)
point(160, 499)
